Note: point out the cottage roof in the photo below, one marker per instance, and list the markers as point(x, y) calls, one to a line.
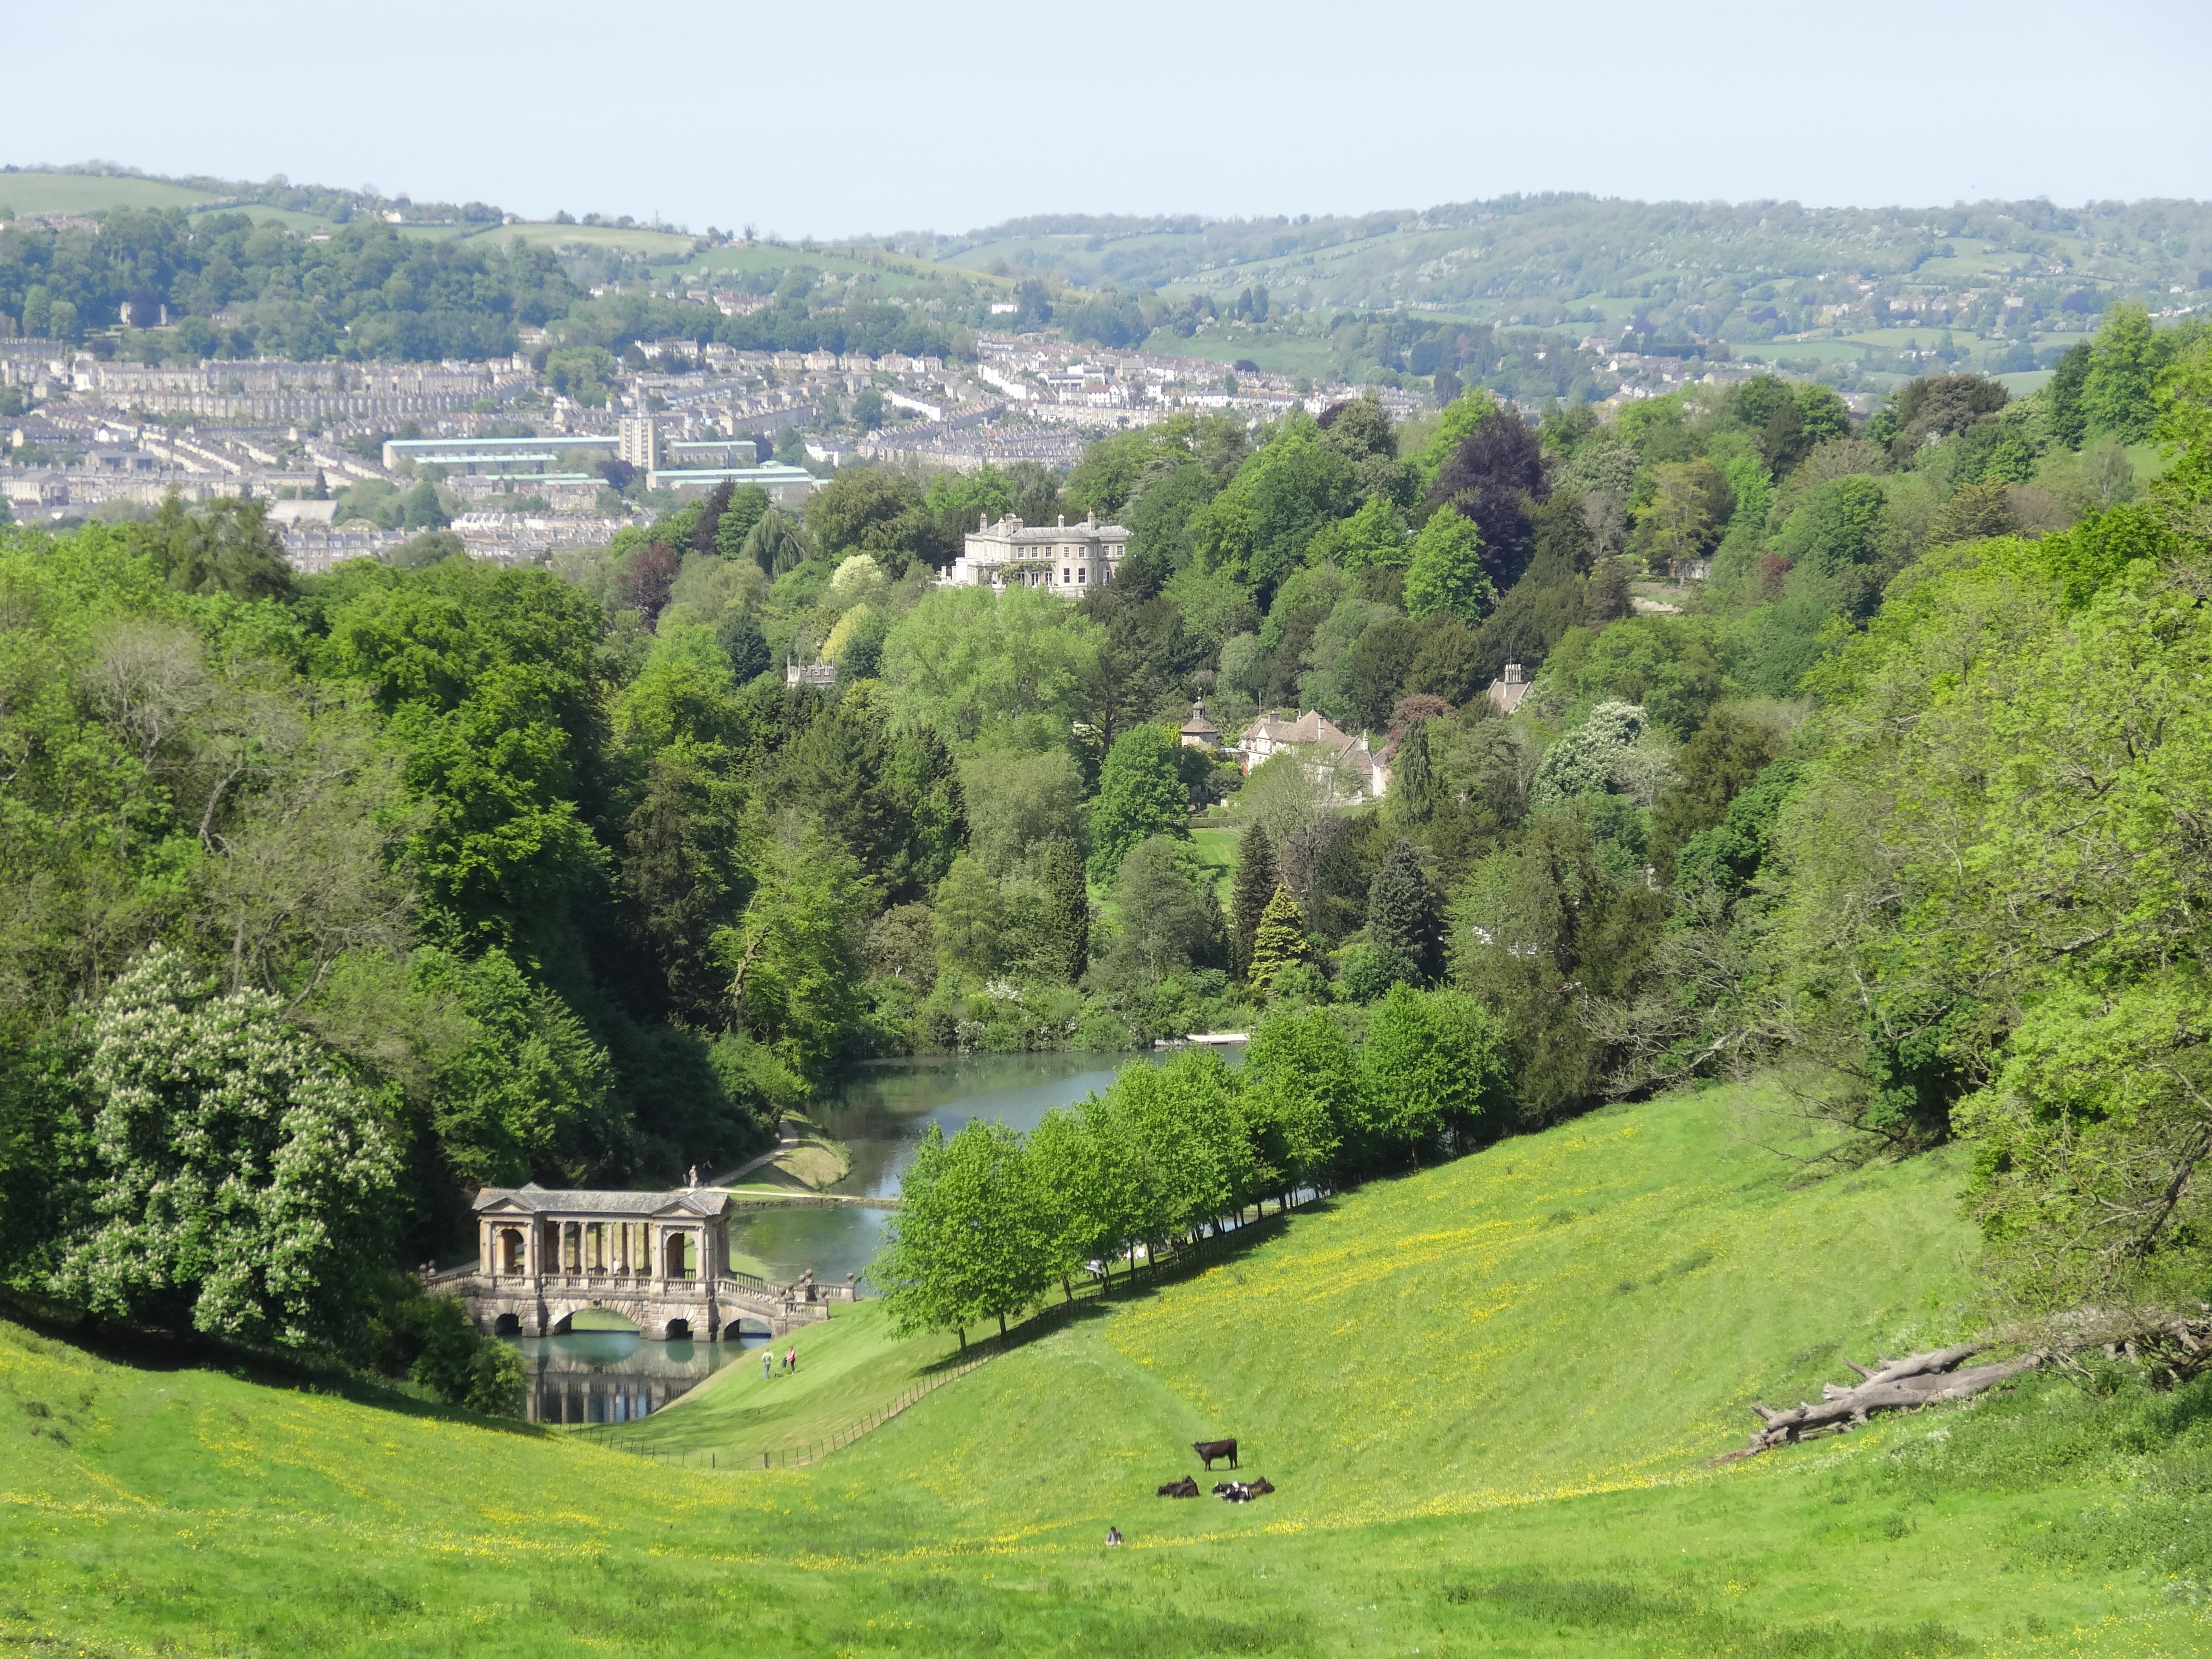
point(1506, 691)
point(534, 1199)
point(1310, 727)
point(1198, 725)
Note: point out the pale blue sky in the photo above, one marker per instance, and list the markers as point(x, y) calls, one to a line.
point(877, 116)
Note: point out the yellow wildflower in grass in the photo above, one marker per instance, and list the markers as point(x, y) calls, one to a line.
point(1520, 1361)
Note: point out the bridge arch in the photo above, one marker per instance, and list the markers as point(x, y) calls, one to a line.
point(561, 1319)
point(679, 1330)
point(507, 1324)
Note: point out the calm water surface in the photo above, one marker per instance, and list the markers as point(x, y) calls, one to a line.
point(613, 1377)
point(882, 1111)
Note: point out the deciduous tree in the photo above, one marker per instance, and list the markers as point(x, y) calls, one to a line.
point(1446, 572)
point(226, 1177)
point(794, 956)
point(1140, 793)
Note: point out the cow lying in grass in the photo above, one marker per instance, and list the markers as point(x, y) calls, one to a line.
point(1240, 1492)
point(1185, 1487)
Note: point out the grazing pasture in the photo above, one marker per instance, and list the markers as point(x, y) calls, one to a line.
point(1487, 1394)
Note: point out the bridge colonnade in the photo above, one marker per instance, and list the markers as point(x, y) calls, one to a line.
point(661, 1260)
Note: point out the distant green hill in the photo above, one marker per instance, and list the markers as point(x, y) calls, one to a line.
point(1545, 258)
point(1487, 1394)
point(1998, 286)
point(33, 193)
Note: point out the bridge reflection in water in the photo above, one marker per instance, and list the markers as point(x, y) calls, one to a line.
point(612, 1376)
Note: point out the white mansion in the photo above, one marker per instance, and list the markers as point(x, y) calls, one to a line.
point(1067, 558)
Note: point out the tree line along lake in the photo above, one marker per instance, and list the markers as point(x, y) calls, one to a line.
point(882, 1111)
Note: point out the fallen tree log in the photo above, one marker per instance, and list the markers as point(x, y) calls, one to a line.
point(2172, 1348)
point(1919, 1379)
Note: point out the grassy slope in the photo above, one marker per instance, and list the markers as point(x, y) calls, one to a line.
point(849, 1368)
point(1276, 354)
point(1217, 847)
point(74, 192)
point(634, 238)
point(1486, 1391)
point(900, 273)
point(303, 222)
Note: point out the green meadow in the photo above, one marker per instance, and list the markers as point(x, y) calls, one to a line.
point(29, 193)
point(1488, 1394)
point(1217, 850)
point(631, 239)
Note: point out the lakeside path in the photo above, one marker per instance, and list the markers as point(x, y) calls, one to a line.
point(787, 1140)
point(803, 1159)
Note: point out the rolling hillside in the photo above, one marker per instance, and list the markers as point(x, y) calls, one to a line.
point(1535, 257)
point(34, 193)
point(1487, 1393)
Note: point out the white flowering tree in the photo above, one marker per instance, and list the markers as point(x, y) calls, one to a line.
point(1613, 750)
point(227, 1176)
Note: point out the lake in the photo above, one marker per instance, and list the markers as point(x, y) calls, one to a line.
point(614, 1376)
point(882, 1110)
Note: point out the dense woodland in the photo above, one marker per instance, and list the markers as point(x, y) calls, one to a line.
point(334, 898)
point(369, 292)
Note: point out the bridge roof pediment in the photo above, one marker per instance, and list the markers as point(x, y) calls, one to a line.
point(520, 1203)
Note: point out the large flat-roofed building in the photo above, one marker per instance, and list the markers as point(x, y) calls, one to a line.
point(715, 451)
point(473, 454)
point(785, 485)
point(1067, 558)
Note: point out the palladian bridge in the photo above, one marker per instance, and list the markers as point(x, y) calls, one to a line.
point(660, 1261)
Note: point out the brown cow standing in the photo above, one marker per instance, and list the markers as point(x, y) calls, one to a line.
point(1210, 1449)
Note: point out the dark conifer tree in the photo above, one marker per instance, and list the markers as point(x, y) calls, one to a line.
point(740, 636)
point(1256, 876)
point(1065, 879)
point(1412, 779)
point(1404, 913)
